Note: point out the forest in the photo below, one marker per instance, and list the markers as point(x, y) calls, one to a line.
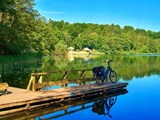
point(24, 30)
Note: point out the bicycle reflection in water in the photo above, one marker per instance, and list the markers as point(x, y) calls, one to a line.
point(103, 106)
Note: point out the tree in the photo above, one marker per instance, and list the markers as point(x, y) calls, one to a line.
point(16, 25)
point(60, 48)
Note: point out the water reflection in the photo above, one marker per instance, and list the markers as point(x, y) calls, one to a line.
point(99, 104)
point(16, 70)
point(103, 106)
point(86, 105)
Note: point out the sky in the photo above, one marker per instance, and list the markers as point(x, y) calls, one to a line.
point(142, 14)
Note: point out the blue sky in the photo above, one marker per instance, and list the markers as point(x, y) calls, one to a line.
point(143, 14)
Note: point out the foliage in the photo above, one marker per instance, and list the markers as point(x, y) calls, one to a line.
point(16, 25)
point(24, 30)
point(95, 52)
point(60, 48)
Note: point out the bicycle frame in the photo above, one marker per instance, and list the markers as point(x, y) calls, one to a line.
point(107, 72)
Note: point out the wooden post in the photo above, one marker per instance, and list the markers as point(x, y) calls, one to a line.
point(40, 79)
point(82, 74)
point(65, 111)
point(66, 85)
point(40, 118)
point(30, 82)
point(83, 106)
point(65, 75)
point(28, 106)
point(33, 83)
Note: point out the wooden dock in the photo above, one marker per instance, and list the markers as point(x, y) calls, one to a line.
point(65, 108)
point(19, 100)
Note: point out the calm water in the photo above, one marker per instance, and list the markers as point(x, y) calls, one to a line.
point(141, 102)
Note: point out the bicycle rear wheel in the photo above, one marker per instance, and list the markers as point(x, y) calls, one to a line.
point(99, 79)
point(113, 76)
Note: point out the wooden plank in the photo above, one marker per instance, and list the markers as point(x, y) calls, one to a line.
point(61, 82)
point(45, 73)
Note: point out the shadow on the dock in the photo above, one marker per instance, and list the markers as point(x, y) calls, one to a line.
point(99, 104)
point(9, 92)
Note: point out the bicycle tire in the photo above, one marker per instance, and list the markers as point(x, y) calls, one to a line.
point(112, 100)
point(99, 79)
point(113, 76)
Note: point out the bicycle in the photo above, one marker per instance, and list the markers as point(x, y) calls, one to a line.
point(100, 74)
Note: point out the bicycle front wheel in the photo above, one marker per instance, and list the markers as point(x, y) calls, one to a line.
point(113, 76)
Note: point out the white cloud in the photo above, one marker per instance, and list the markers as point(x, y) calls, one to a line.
point(52, 12)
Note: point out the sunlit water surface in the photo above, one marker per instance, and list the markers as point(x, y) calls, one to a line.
point(140, 103)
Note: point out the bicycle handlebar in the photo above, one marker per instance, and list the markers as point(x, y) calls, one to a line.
point(108, 61)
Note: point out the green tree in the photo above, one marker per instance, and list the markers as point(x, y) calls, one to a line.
point(16, 25)
point(60, 48)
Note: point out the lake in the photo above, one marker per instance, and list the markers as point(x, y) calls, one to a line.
point(140, 100)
